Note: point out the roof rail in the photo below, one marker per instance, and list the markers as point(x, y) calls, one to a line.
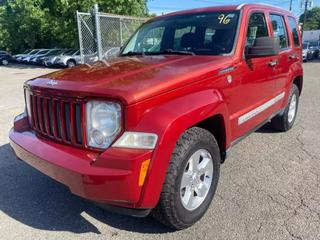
point(265, 4)
point(241, 6)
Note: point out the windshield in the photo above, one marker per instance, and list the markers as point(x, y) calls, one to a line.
point(211, 33)
point(34, 52)
point(69, 52)
point(43, 52)
point(27, 51)
point(54, 52)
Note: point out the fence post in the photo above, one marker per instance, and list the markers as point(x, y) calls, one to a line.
point(120, 29)
point(80, 37)
point(98, 30)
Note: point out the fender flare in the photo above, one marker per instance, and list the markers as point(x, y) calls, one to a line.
point(169, 120)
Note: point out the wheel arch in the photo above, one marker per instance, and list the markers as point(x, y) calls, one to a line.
point(202, 109)
point(216, 126)
point(298, 80)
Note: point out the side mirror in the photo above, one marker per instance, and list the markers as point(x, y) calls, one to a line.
point(264, 47)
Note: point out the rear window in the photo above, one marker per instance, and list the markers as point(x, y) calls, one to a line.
point(294, 31)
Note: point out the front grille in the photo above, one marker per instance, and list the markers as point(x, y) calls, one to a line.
point(57, 118)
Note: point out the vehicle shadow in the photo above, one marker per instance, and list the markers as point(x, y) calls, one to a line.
point(33, 199)
point(266, 129)
point(24, 66)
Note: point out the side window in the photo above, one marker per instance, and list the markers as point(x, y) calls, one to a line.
point(257, 27)
point(294, 30)
point(279, 30)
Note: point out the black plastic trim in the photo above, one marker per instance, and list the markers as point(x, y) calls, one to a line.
point(134, 212)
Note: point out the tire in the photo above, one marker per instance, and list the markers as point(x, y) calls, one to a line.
point(171, 209)
point(71, 63)
point(284, 122)
point(5, 62)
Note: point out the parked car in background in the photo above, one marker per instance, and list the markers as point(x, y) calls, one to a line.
point(33, 59)
point(5, 58)
point(315, 47)
point(49, 61)
point(68, 60)
point(307, 53)
point(27, 58)
point(38, 59)
point(21, 55)
point(111, 53)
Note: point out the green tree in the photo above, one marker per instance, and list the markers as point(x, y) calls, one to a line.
point(4, 35)
point(52, 23)
point(313, 19)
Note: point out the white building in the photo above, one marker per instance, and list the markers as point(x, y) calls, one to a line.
point(311, 36)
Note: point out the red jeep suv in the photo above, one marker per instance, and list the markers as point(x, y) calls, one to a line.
point(147, 131)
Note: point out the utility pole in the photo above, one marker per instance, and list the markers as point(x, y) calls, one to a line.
point(304, 16)
point(290, 8)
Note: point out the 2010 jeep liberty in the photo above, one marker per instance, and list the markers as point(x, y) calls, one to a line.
point(147, 132)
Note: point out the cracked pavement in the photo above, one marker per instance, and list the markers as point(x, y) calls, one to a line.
point(269, 186)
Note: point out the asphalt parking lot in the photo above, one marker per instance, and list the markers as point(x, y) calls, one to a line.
point(269, 187)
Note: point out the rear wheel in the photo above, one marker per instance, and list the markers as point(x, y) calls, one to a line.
point(5, 62)
point(191, 180)
point(284, 121)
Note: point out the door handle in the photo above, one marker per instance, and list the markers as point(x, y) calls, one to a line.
point(293, 56)
point(273, 63)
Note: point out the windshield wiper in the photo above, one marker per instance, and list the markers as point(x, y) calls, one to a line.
point(167, 51)
point(131, 53)
point(171, 51)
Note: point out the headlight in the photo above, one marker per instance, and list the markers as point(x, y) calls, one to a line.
point(103, 120)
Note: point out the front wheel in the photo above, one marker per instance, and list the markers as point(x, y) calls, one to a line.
point(71, 64)
point(284, 121)
point(191, 180)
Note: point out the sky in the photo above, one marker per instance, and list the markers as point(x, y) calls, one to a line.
point(165, 6)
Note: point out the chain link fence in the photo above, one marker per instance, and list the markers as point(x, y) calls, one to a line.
point(101, 35)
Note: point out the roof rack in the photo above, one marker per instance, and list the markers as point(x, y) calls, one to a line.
point(241, 6)
point(265, 4)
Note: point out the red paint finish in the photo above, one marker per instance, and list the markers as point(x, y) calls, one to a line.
point(164, 95)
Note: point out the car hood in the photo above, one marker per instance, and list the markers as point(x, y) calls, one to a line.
point(132, 79)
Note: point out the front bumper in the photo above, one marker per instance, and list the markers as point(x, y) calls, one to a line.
point(304, 57)
point(49, 63)
point(108, 178)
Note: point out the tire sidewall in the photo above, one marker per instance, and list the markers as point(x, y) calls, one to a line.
point(294, 91)
point(186, 216)
point(70, 64)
